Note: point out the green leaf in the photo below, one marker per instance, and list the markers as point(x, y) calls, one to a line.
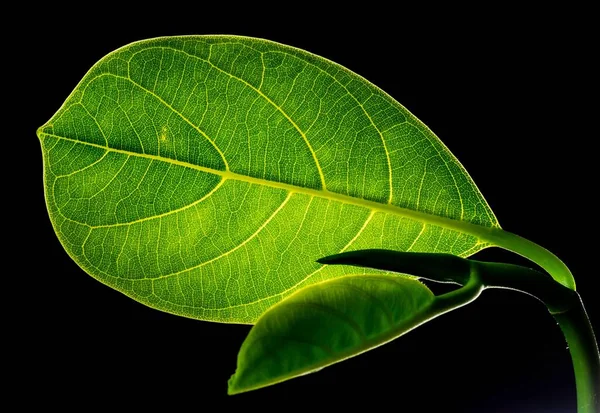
point(331, 321)
point(204, 175)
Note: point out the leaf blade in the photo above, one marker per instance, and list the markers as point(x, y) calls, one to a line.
point(168, 107)
point(354, 314)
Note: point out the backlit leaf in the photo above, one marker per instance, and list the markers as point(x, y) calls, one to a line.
point(204, 175)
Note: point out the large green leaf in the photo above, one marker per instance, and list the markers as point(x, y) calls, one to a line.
point(204, 175)
point(333, 320)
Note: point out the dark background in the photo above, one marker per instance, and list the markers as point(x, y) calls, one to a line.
point(508, 94)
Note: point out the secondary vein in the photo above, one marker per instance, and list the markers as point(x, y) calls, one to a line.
point(271, 102)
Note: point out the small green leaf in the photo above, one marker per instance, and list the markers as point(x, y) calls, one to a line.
point(331, 321)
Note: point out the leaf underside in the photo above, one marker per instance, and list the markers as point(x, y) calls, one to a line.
point(204, 175)
point(327, 323)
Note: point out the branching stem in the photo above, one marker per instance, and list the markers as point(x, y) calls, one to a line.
point(568, 310)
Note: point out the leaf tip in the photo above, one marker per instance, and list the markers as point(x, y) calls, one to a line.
point(231, 386)
point(39, 132)
point(330, 259)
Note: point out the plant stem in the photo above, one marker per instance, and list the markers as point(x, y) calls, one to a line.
point(534, 252)
point(583, 347)
point(573, 321)
point(567, 308)
point(459, 297)
point(563, 302)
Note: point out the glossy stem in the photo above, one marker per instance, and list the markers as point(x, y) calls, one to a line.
point(556, 297)
point(568, 310)
point(462, 296)
point(576, 327)
point(532, 251)
point(561, 300)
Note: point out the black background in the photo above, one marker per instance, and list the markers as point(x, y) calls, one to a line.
point(508, 94)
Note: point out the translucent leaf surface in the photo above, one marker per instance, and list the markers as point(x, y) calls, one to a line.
point(204, 175)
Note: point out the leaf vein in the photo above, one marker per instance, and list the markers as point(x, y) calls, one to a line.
point(277, 107)
point(383, 141)
point(166, 104)
point(240, 245)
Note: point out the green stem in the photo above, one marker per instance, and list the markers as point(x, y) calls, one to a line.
point(573, 321)
point(568, 310)
point(583, 347)
point(556, 292)
point(556, 297)
point(532, 251)
point(459, 297)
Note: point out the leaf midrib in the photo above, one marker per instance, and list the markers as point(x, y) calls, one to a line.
point(483, 233)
